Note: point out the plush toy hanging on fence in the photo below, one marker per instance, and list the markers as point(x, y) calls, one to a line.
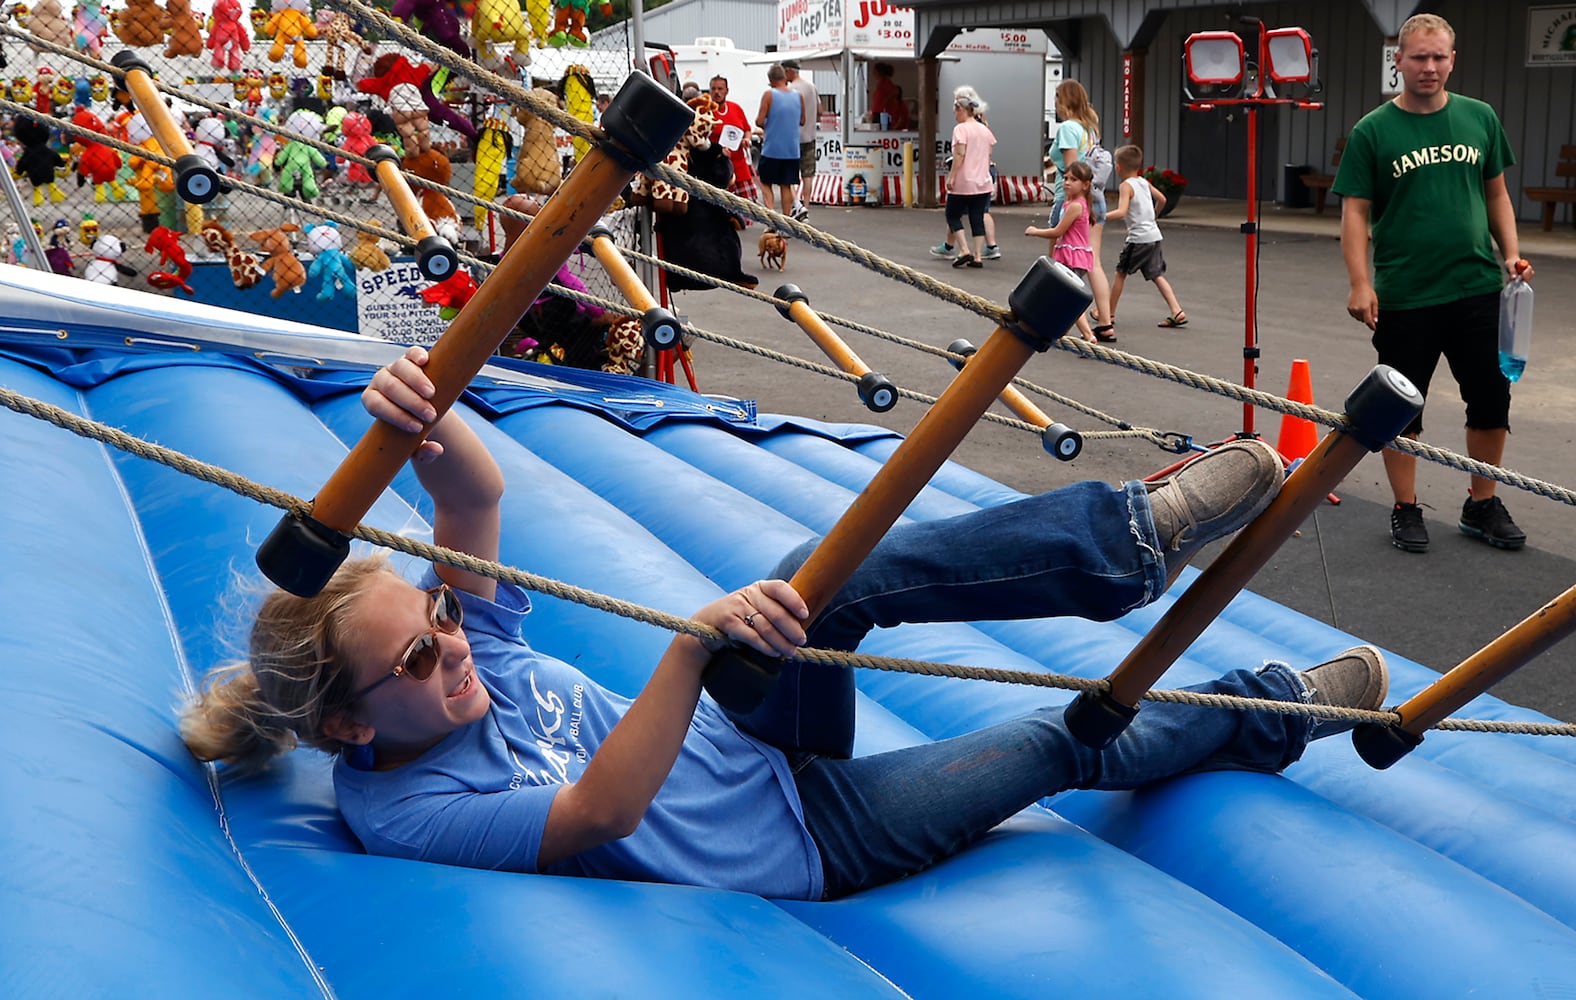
point(340, 41)
point(48, 22)
point(434, 166)
point(355, 137)
point(245, 269)
point(184, 30)
point(296, 162)
point(569, 25)
point(228, 38)
point(536, 166)
point(89, 25)
point(97, 164)
point(106, 267)
point(580, 101)
point(38, 160)
point(330, 264)
point(367, 252)
point(149, 177)
point(400, 83)
point(166, 243)
point(492, 156)
point(288, 25)
point(140, 24)
point(58, 252)
point(288, 272)
point(436, 20)
point(501, 37)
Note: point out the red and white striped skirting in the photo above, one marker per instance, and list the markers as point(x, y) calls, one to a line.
point(827, 189)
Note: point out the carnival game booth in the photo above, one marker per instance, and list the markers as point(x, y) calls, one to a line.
point(128, 869)
point(856, 49)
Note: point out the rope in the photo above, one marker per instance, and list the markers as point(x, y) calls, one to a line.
point(238, 484)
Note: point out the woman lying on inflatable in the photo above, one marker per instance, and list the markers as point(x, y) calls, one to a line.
point(458, 743)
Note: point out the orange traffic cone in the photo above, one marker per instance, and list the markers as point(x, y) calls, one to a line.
point(1298, 437)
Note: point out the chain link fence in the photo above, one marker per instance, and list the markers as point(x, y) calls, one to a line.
point(250, 82)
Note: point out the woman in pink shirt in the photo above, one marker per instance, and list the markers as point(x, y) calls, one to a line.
point(969, 182)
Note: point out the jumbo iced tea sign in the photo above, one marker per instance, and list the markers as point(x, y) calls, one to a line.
point(809, 24)
point(879, 25)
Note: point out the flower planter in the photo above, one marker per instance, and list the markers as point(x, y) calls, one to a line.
point(1172, 201)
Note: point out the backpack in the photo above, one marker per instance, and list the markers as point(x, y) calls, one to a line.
point(1100, 164)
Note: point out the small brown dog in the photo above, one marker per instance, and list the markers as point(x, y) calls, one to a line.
point(773, 249)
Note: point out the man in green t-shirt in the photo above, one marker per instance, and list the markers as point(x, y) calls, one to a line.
point(1422, 183)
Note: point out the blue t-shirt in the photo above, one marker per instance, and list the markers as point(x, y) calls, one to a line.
point(727, 817)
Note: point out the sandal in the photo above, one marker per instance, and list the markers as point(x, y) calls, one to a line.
point(1172, 322)
point(1102, 336)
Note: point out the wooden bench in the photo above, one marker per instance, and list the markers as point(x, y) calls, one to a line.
point(1553, 197)
point(1320, 184)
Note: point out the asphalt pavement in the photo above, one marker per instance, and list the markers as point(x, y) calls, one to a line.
point(1436, 608)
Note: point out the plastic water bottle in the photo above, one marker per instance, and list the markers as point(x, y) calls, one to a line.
point(1515, 326)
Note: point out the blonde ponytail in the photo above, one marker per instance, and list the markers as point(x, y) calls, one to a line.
point(297, 673)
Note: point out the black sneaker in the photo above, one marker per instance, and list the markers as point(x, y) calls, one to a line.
point(1407, 530)
point(1490, 521)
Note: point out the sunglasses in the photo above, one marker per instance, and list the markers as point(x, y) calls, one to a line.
point(421, 656)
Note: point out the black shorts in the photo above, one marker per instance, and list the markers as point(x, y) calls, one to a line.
point(1147, 258)
point(1466, 333)
point(779, 171)
point(807, 159)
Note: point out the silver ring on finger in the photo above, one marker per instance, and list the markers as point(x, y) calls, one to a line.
point(749, 619)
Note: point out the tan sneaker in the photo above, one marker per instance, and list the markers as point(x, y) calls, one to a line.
point(1356, 678)
point(1212, 496)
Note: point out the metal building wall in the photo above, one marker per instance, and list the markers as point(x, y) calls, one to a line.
point(752, 24)
point(1538, 105)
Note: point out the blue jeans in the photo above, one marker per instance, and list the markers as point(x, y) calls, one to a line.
point(1087, 550)
point(876, 819)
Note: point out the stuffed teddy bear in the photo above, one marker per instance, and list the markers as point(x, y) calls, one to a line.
point(140, 24)
point(434, 166)
point(38, 160)
point(536, 169)
point(184, 30)
point(288, 25)
point(47, 22)
point(296, 163)
point(367, 252)
point(288, 271)
point(437, 22)
point(329, 262)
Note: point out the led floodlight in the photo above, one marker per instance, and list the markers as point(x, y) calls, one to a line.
point(1214, 58)
point(1290, 55)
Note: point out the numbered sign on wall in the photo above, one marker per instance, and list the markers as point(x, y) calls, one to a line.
point(1389, 73)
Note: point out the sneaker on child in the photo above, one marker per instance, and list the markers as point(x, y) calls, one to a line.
point(1489, 520)
point(1407, 530)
